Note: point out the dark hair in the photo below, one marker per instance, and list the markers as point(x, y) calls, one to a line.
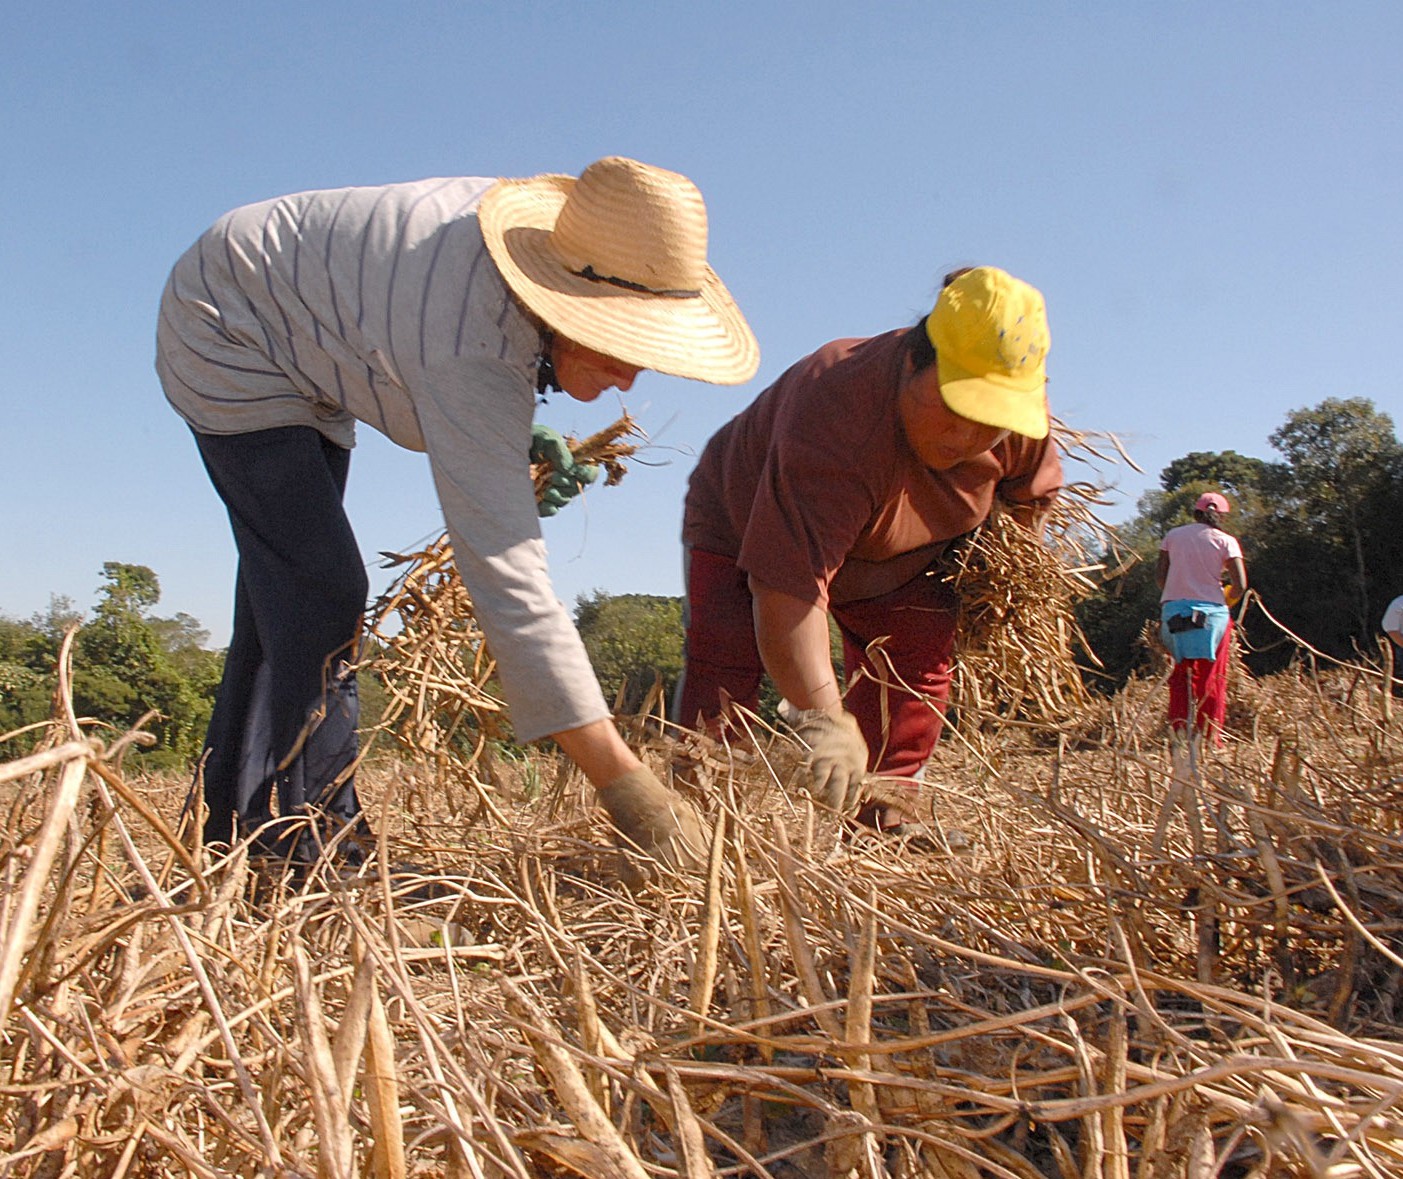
point(918, 345)
point(919, 348)
point(1208, 516)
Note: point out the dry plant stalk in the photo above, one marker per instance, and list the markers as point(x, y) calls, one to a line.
point(1017, 634)
point(428, 649)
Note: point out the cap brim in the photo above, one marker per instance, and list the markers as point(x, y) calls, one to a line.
point(995, 401)
point(704, 337)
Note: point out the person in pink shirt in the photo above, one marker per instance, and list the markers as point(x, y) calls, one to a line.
point(1194, 616)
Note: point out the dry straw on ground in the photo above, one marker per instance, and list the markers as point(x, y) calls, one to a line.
point(1109, 971)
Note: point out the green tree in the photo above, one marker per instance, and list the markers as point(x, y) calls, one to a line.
point(29, 650)
point(131, 590)
point(1223, 470)
point(1341, 476)
point(632, 639)
point(24, 690)
point(1240, 478)
point(1113, 622)
point(126, 662)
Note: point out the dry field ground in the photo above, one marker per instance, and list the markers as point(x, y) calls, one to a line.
point(1103, 971)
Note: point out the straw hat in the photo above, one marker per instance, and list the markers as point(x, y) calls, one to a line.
point(616, 261)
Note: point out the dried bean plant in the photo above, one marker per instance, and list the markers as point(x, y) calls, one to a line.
point(427, 648)
point(1017, 637)
point(1116, 967)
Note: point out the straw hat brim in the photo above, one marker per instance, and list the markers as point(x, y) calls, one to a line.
point(704, 337)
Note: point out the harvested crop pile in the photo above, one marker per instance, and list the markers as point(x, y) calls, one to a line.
point(1099, 968)
point(1107, 973)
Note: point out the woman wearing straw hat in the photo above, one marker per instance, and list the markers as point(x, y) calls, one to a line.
point(433, 311)
point(836, 492)
point(1194, 619)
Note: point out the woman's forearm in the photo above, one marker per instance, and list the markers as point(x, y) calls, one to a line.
point(792, 636)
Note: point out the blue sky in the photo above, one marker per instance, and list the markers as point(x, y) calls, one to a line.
point(1208, 195)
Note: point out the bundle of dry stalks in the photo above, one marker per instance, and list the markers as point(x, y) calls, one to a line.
point(1017, 636)
point(1122, 974)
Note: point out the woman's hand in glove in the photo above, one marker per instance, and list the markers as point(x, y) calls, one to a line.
point(837, 761)
point(568, 478)
point(655, 820)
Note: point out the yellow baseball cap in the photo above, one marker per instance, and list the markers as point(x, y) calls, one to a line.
point(991, 342)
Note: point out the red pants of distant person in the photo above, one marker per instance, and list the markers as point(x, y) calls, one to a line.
point(897, 690)
point(1207, 680)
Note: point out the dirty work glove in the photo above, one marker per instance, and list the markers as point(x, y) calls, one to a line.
point(837, 760)
point(568, 478)
point(655, 821)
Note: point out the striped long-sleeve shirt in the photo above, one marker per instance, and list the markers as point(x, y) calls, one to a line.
point(382, 305)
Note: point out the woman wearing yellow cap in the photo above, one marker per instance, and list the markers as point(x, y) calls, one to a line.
point(836, 492)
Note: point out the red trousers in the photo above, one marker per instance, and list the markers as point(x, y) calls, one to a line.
point(1207, 679)
point(896, 651)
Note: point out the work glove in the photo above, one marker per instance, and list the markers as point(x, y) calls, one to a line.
point(568, 478)
point(655, 821)
point(837, 760)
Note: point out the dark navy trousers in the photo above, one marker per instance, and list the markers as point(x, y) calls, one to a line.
point(286, 714)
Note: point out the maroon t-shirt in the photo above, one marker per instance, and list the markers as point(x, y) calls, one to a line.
point(814, 491)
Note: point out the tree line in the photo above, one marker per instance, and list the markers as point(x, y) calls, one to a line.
point(126, 662)
point(1320, 529)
